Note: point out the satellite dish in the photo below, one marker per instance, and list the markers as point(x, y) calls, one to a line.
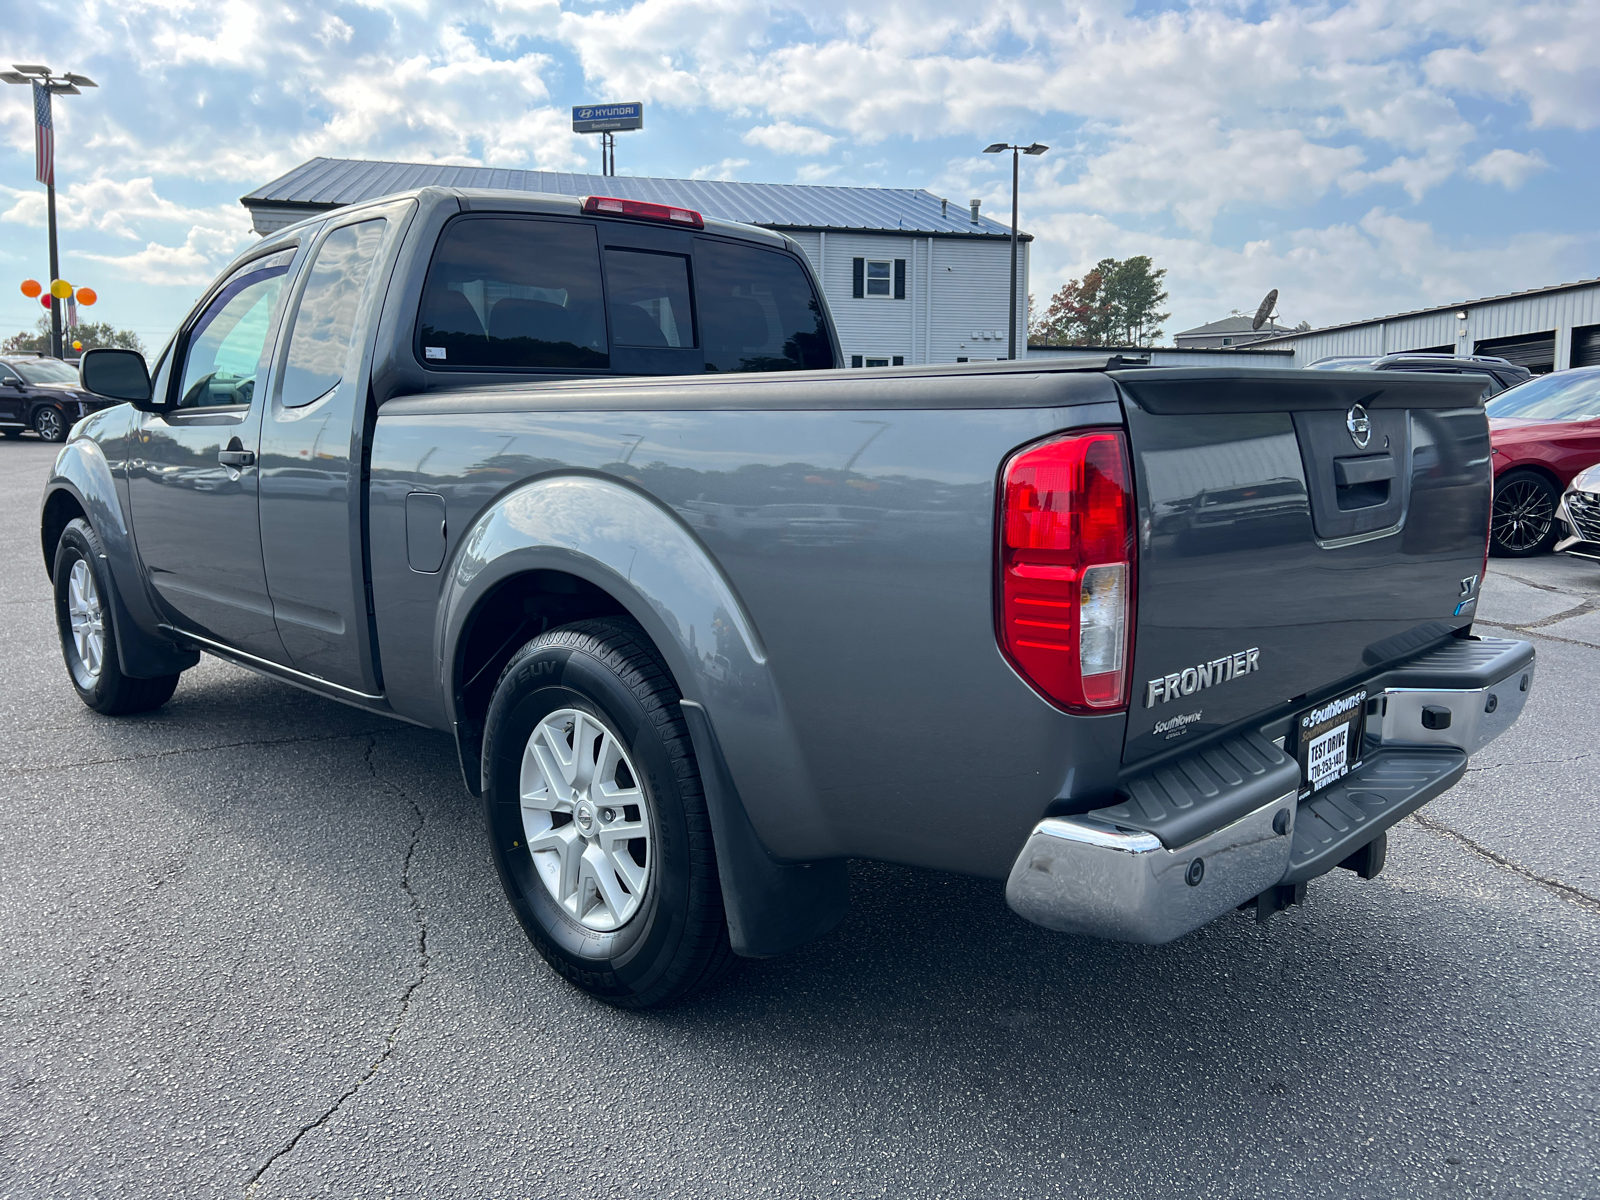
point(1264, 313)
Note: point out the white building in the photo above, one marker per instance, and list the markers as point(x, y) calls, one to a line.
point(909, 277)
point(1544, 329)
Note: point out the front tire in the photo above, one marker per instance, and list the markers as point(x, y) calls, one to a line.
point(597, 818)
point(1524, 519)
point(50, 424)
point(88, 639)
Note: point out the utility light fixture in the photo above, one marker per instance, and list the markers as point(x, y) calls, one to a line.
point(1035, 150)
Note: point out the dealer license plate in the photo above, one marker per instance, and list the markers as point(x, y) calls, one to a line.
point(1330, 740)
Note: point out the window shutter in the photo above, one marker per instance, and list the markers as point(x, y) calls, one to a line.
point(899, 279)
point(855, 359)
point(900, 359)
point(858, 278)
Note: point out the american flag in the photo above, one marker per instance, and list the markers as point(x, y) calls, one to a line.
point(44, 136)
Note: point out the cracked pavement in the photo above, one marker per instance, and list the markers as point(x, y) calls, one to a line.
point(252, 945)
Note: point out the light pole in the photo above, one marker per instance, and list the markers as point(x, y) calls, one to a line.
point(46, 83)
point(1036, 149)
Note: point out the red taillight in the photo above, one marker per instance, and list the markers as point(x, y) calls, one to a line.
point(643, 210)
point(1066, 569)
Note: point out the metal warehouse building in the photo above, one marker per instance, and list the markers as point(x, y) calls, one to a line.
point(909, 277)
point(1544, 329)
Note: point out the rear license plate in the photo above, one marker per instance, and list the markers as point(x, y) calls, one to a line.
point(1330, 740)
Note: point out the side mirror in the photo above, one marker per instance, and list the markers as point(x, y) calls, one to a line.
point(117, 375)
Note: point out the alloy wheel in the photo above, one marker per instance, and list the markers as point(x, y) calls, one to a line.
point(1523, 514)
point(586, 818)
point(88, 622)
point(48, 425)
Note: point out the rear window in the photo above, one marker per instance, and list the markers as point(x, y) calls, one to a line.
point(758, 312)
point(1563, 396)
point(514, 292)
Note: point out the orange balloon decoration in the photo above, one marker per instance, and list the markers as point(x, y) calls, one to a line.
point(31, 288)
point(77, 345)
point(87, 295)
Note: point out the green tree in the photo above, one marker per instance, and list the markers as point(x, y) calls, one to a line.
point(92, 334)
point(1113, 304)
point(1133, 292)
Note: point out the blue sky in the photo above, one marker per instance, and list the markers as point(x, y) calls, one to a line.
point(1364, 158)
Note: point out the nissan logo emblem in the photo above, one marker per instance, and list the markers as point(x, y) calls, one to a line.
point(1360, 427)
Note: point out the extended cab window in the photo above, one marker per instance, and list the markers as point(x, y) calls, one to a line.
point(513, 292)
point(223, 352)
point(758, 312)
point(324, 324)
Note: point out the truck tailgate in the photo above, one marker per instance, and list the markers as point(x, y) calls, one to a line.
point(1297, 531)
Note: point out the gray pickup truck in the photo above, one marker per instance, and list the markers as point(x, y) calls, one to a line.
point(571, 480)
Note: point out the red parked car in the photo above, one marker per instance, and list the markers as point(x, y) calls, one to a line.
point(1543, 432)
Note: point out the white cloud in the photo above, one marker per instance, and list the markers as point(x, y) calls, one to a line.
point(193, 263)
point(816, 172)
point(1383, 263)
point(1509, 168)
point(784, 137)
point(728, 168)
point(1166, 121)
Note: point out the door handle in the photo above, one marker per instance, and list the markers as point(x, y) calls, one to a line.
point(236, 458)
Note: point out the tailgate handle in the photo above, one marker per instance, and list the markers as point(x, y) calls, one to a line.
point(1370, 468)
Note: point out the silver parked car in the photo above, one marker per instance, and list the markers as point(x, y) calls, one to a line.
point(1580, 509)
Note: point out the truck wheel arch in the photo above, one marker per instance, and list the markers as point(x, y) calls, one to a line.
point(612, 545)
point(81, 485)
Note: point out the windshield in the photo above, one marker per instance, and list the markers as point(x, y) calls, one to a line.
point(45, 370)
point(1564, 396)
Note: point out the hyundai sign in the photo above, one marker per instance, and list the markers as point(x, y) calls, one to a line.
point(607, 118)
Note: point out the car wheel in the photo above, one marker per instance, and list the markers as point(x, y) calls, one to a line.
point(597, 818)
point(49, 424)
point(1524, 518)
point(88, 640)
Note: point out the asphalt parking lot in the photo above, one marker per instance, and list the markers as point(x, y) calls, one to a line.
point(252, 945)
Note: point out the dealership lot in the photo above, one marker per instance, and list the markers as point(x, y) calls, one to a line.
point(253, 944)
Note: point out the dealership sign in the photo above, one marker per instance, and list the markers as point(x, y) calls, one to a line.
point(607, 118)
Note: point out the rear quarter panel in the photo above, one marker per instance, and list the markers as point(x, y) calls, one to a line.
point(884, 722)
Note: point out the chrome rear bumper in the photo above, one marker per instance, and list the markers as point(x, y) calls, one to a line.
point(1096, 874)
point(1085, 875)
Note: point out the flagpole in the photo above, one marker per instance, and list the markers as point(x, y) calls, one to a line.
point(55, 266)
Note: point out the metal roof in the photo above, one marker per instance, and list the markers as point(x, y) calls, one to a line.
point(325, 183)
point(1437, 308)
point(1234, 324)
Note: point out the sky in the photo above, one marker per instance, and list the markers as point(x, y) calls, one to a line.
point(1364, 158)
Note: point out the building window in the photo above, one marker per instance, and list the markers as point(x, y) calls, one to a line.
point(878, 279)
point(855, 360)
point(1227, 341)
point(877, 362)
point(899, 361)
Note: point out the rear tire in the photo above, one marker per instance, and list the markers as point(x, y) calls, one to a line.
point(597, 818)
point(50, 423)
point(88, 639)
point(1524, 519)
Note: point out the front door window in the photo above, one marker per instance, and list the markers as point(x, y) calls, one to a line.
point(225, 345)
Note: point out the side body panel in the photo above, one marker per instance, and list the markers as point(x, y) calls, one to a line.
point(820, 581)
